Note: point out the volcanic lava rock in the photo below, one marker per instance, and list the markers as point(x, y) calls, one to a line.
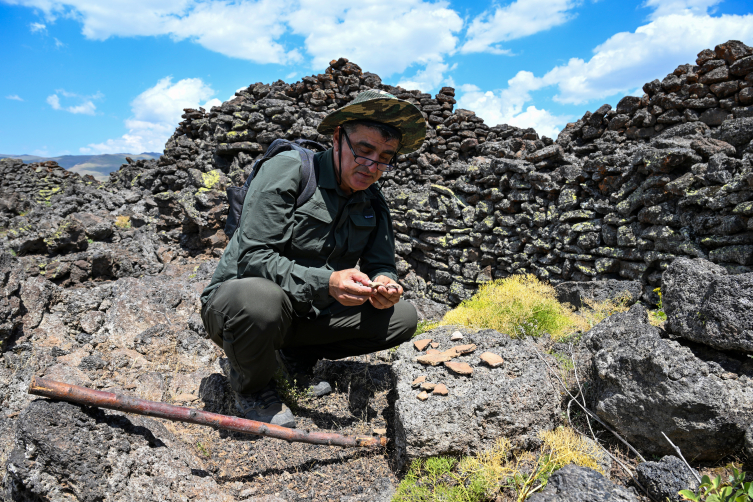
point(644, 385)
point(573, 483)
point(64, 451)
point(515, 401)
point(665, 478)
point(704, 304)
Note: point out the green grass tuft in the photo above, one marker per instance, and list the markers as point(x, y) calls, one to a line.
point(519, 305)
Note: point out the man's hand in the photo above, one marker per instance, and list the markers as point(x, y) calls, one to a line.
point(387, 294)
point(350, 287)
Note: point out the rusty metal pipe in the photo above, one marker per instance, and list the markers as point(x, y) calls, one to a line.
point(129, 404)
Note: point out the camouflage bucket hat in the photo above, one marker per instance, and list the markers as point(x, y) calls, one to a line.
point(383, 107)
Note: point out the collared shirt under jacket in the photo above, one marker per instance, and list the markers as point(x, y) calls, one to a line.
point(298, 249)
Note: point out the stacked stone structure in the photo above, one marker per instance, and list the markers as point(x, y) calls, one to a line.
point(620, 193)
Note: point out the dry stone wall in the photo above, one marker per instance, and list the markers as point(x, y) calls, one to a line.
point(620, 194)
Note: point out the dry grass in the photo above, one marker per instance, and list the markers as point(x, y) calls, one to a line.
point(519, 305)
point(499, 470)
point(123, 222)
point(594, 312)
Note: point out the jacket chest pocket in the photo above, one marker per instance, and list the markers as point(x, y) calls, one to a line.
point(360, 227)
point(313, 225)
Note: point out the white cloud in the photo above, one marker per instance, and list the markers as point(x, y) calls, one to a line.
point(14, 97)
point(516, 20)
point(429, 78)
point(507, 106)
point(58, 43)
point(382, 36)
point(669, 7)
point(155, 115)
point(85, 106)
point(35, 27)
point(627, 60)
point(243, 29)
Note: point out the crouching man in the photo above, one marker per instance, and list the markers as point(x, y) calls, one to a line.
point(286, 291)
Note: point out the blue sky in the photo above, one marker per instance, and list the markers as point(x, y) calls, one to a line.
point(87, 76)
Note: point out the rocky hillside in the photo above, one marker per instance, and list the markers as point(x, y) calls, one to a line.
point(99, 284)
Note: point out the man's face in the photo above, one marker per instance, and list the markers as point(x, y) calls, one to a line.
point(366, 142)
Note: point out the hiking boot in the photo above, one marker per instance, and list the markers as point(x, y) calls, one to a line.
point(265, 406)
point(300, 372)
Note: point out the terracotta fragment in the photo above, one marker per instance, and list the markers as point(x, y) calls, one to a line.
point(465, 349)
point(423, 396)
point(428, 386)
point(459, 368)
point(491, 359)
point(433, 359)
point(422, 344)
point(456, 336)
point(440, 390)
point(418, 381)
point(432, 351)
point(434, 345)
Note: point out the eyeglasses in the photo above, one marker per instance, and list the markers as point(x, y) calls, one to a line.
point(365, 161)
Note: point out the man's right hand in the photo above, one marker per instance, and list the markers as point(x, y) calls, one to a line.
point(349, 287)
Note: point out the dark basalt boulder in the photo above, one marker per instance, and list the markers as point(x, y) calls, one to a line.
point(705, 305)
point(644, 385)
point(573, 483)
point(665, 478)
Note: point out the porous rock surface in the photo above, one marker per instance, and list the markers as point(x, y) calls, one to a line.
point(66, 452)
point(643, 385)
point(515, 400)
point(706, 305)
point(573, 483)
point(665, 478)
point(578, 293)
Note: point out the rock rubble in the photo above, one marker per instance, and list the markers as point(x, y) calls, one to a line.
point(99, 282)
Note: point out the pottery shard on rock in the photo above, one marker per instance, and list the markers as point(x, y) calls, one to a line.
point(493, 360)
point(440, 390)
point(434, 359)
point(422, 344)
point(478, 409)
point(418, 381)
point(459, 368)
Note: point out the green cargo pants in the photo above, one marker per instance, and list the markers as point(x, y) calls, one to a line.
point(252, 317)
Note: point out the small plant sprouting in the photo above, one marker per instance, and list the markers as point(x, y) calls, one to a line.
point(203, 449)
point(659, 314)
point(736, 489)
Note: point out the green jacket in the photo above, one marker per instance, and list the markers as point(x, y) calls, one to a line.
point(298, 249)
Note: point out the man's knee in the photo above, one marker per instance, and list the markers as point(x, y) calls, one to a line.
point(252, 299)
point(405, 321)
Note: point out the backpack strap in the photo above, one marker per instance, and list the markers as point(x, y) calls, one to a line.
point(306, 188)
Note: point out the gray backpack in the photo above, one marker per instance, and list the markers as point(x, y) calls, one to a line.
point(236, 195)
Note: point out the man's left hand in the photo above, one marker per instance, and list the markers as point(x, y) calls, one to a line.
point(386, 296)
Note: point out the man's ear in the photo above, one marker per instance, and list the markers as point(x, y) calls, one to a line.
point(336, 138)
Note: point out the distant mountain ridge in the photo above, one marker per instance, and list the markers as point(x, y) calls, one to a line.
point(99, 166)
